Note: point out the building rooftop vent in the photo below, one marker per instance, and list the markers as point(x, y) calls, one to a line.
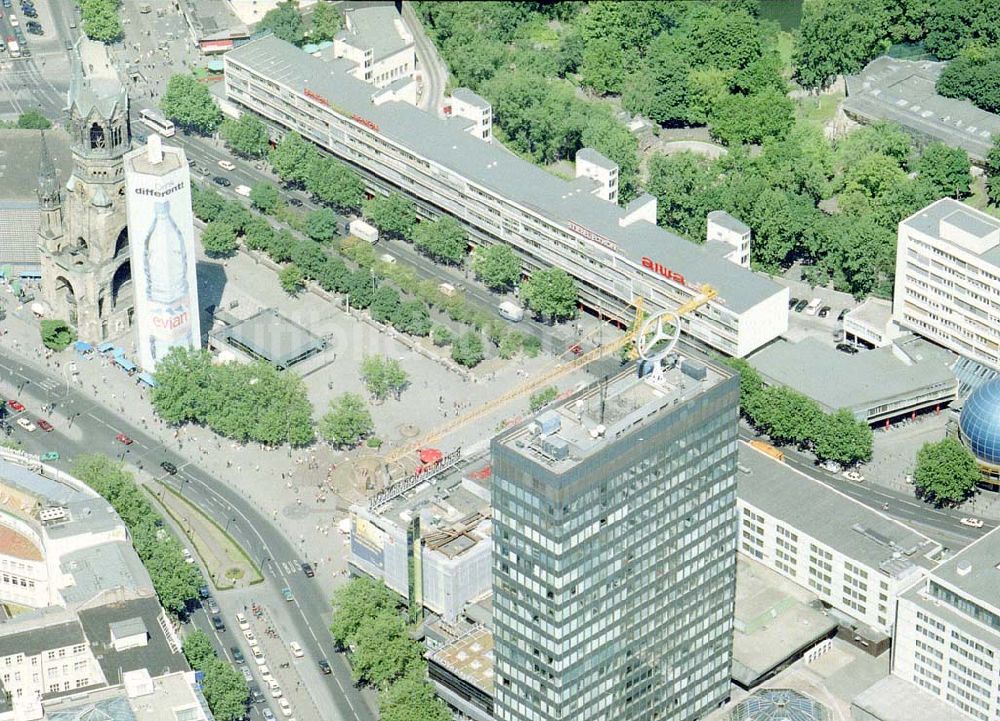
point(52, 515)
point(963, 568)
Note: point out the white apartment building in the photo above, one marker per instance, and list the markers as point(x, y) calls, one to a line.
point(854, 559)
point(947, 637)
point(376, 40)
point(948, 279)
point(466, 104)
point(725, 228)
point(615, 256)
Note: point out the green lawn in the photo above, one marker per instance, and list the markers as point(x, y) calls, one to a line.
point(818, 110)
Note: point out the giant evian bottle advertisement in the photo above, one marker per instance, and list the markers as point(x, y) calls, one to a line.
point(161, 236)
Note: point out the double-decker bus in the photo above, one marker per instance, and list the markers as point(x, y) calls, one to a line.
point(157, 122)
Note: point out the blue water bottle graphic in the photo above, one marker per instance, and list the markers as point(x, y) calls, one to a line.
point(168, 293)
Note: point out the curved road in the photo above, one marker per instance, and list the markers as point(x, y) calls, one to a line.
point(92, 428)
point(433, 70)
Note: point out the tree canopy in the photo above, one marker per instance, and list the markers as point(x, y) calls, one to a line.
point(56, 334)
point(467, 350)
point(392, 214)
point(946, 472)
point(247, 136)
point(838, 36)
point(218, 238)
point(324, 23)
point(442, 240)
point(100, 20)
point(189, 104)
point(285, 21)
point(292, 158)
point(333, 183)
point(265, 197)
point(33, 120)
point(497, 266)
point(348, 421)
point(550, 293)
point(383, 375)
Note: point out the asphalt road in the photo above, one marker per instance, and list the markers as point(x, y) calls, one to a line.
point(92, 429)
point(433, 70)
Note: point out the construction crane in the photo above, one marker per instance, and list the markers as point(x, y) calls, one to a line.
point(546, 377)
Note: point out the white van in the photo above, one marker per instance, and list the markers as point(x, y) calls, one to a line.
point(386, 258)
point(226, 165)
point(814, 305)
point(511, 311)
point(243, 190)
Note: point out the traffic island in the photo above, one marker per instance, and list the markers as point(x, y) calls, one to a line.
point(227, 564)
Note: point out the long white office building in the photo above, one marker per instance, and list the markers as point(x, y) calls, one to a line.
point(948, 279)
point(947, 637)
point(615, 254)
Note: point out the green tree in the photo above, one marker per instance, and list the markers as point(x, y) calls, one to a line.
point(347, 422)
point(838, 36)
point(198, 649)
point(467, 350)
point(325, 22)
point(382, 376)
point(843, 438)
point(993, 172)
point(392, 214)
point(602, 66)
point(681, 182)
point(355, 604)
point(550, 293)
point(207, 205)
point(321, 224)
point(189, 104)
point(56, 334)
point(333, 183)
point(264, 197)
point(946, 169)
point(946, 472)
point(291, 279)
point(441, 335)
point(542, 398)
point(753, 118)
point(442, 240)
point(33, 120)
point(284, 21)
point(218, 239)
point(383, 651)
point(751, 384)
point(101, 21)
point(412, 317)
point(225, 690)
point(608, 136)
point(247, 136)
point(661, 89)
point(292, 158)
point(496, 265)
point(786, 415)
point(410, 698)
point(385, 303)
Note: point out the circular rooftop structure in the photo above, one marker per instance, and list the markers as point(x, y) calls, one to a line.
point(779, 704)
point(980, 422)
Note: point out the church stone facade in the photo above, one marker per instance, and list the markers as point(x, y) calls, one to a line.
point(83, 233)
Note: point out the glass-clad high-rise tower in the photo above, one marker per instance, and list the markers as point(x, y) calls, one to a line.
point(614, 563)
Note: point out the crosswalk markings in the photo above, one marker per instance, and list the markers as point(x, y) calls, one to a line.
point(49, 384)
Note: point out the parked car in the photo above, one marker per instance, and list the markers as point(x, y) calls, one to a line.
point(226, 165)
point(204, 592)
point(792, 303)
point(188, 558)
point(801, 305)
point(249, 636)
point(213, 606)
point(972, 522)
point(296, 649)
point(847, 348)
point(268, 714)
point(218, 624)
point(242, 622)
point(824, 311)
point(15, 405)
point(258, 656)
point(238, 656)
point(247, 676)
point(44, 425)
point(308, 570)
point(35, 29)
point(219, 180)
point(50, 456)
point(122, 438)
point(284, 707)
point(265, 673)
point(287, 593)
point(854, 476)
point(324, 666)
point(841, 314)
point(169, 467)
point(295, 202)
point(26, 424)
point(243, 190)
point(275, 688)
point(258, 697)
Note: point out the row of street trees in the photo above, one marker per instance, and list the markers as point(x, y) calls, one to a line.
point(245, 402)
point(367, 621)
point(787, 416)
point(176, 581)
point(224, 687)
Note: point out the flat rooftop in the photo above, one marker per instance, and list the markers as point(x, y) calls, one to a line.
point(446, 143)
point(99, 568)
point(156, 656)
point(894, 699)
point(864, 380)
point(563, 435)
point(903, 91)
point(874, 312)
point(272, 337)
point(139, 162)
point(975, 570)
point(470, 657)
point(374, 26)
point(831, 517)
point(975, 223)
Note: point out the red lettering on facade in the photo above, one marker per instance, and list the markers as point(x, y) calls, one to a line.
point(663, 270)
point(170, 322)
point(366, 122)
point(316, 96)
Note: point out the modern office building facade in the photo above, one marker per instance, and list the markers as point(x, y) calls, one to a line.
point(615, 256)
point(947, 637)
point(613, 559)
point(948, 279)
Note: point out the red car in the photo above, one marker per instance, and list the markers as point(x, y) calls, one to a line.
point(44, 425)
point(121, 437)
point(15, 405)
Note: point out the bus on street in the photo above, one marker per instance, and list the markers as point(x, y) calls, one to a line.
point(157, 122)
